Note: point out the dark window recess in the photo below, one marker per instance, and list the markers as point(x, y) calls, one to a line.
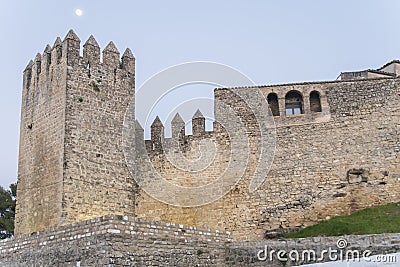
point(273, 104)
point(315, 102)
point(59, 53)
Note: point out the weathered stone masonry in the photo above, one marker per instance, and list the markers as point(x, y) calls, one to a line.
point(125, 241)
point(72, 165)
point(116, 241)
point(337, 151)
point(335, 161)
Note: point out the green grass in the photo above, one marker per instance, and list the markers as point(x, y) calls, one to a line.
point(377, 220)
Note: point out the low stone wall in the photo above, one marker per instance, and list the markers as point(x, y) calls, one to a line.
point(294, 252)
point(126, 241)
point(116, 241)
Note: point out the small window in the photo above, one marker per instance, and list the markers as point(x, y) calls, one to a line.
point(38, 67)
point(59, 53)
point(292, 109)
point(293, 103)
point(315, 102)
point(273, 104)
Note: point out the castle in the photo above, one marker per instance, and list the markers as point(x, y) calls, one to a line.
point(337, 151)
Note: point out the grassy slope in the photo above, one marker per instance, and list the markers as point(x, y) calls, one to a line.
point(382, 219)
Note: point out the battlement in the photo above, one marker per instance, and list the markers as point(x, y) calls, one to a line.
point(158, 143)
point(68, 52)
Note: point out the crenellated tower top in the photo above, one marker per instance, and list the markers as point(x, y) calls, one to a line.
point(69, 51)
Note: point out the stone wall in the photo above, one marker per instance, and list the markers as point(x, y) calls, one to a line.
point(124, 241)
point(326, 163)
point(311, 250)
point(116, 241)
point(96, 180)
point(41, 146)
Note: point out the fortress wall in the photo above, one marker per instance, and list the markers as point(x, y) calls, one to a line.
point(327, 163)
point(149, 208)
point(40, 164)
point(191, 151)
point(309, 180)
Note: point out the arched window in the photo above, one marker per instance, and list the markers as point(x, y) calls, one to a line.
point(315, 102)
point(293, 103)
point(273, 104)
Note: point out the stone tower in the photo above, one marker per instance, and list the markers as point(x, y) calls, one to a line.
point(71, 164)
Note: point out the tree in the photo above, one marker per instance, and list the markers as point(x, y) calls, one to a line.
point(7, 211)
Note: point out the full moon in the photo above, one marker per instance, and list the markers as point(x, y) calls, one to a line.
point(79, 12)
